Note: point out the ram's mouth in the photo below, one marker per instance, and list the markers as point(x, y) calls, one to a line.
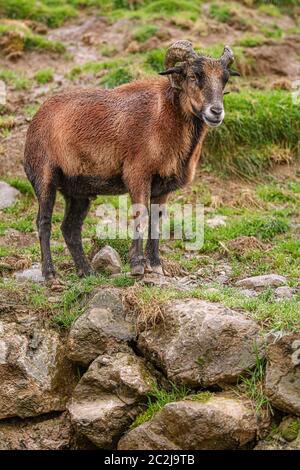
point(212, 122)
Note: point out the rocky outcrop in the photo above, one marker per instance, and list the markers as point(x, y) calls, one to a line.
point(282, 383)
point(102, 328)
point(107, 398)
point(222, 422)
point(36, 376)
point(201, 343)
point(8, 195)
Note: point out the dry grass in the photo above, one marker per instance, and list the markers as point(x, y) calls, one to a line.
point(148, 314)
point(173, 268)
point(241, 245)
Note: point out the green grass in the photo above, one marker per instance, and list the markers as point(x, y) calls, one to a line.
point(220, 12)
point(117, 77)
point(144, 32)
point(260, 128)
point(156, 59)
point(160, 397)
point(251, 41)
point(282, 315)
point(273, 193)
point(70, 306)
point(51, 12)
point(108, 50)
point(14, 79)
point(22, 185)
point(38, 42)
point(252, 383)
point(270, 10)
point(44, 75)
point(172, 7)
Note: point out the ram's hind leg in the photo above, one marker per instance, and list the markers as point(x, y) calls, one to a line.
point(75, 213)
point(46, 203)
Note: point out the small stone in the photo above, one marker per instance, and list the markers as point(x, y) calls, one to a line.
point(284, 292)
point(217, 221)
point(248, 292)
point(267, 280)
point(289, 428)
point(32, 274)
point(8, 195)
point(107, 258)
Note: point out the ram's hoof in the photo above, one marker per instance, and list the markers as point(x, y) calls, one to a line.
point(158, 270)
point(138, 270)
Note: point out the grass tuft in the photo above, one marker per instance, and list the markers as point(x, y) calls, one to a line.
point(44, 76)
point(159, 397)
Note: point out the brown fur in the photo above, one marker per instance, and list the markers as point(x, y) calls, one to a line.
point(142, 138)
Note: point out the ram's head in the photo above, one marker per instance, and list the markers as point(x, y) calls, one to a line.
point(200, 80)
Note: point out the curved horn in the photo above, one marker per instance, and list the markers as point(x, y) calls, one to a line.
point(180, 51)
point(227, 57)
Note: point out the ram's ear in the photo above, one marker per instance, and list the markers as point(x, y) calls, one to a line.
point(177, 70)
point(234, 73)
point(176, 76)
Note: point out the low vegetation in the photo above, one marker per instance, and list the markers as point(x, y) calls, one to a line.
point(159, 397)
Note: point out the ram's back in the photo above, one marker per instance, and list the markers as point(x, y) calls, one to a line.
point(90, 132)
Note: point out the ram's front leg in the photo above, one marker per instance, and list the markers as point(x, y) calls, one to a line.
point(139, 191)
point(153, 262)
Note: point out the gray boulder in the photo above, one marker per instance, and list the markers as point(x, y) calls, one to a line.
point(107, 398)
point(201, 343)
point(44, 433)
point(282, 382)
point(220, 423)
point(102, 328)
point(8, 195)
point(259, 282)
point(32, 274)
point(36, 376)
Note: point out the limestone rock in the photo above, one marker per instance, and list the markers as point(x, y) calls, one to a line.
point(35, 375)
point(44, 433)
point(282, 382)
point(8, 195)
point(267, 280)
point(107, 258)
point(284, 292)
point(201, 343)
point(102, 328)
point(248, 292)
point(223, 422)
point(107, 398)
point(216, 221)
point(278, 443)
point(32, 274)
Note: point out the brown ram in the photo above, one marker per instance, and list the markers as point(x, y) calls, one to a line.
point(143, 138)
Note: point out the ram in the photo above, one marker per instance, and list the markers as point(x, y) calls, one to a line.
point(143, 138)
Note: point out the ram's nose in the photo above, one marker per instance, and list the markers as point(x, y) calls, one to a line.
point(216, 110)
